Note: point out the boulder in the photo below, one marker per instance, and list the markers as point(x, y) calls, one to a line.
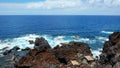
point(41, 43)
point(26, 49)
point(6, 52)
point(38, 61)
point(31, 42)
point(3, 49)
point(69, 51)
point(15, 48)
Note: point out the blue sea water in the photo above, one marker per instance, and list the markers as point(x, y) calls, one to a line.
point(17, 30)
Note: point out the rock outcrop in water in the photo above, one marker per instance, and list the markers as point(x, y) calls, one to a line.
point(41, 43)
point(42, 56)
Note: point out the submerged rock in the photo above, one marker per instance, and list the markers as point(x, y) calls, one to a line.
point(3, 49)
point(6, 52)
point(31, 42)
point(15, 48)
point(26, 49)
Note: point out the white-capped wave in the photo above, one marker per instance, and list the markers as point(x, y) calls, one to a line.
point(107, 32)
point(101, 39)
point(23, 41)
point(56, 40)
point(96, 52)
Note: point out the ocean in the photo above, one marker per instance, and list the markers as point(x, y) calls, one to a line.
point(17, 30)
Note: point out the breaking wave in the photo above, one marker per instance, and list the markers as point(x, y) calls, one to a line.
point(23, 41)
point(101, 39)
point(96, 52)
point(106, 32)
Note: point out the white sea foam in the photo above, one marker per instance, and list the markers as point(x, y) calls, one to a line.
point(101, 39)
point(96, 52)
point(107, 32)
point(23, 41)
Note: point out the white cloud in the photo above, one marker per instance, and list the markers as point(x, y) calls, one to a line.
point(91, 1)
point(48, 4)
point(55, 4)
point(116, 3)
point(112, 3)
point(77, 5)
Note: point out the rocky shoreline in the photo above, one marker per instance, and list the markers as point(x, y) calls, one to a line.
point(71, 55)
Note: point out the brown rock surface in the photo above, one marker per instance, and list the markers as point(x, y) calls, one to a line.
point(58, 57)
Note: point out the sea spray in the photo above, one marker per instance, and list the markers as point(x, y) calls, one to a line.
point(23, 41)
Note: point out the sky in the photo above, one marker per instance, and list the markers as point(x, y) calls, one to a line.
point(59, 7)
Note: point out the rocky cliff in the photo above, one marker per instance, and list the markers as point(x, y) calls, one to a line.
point(110, 57)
